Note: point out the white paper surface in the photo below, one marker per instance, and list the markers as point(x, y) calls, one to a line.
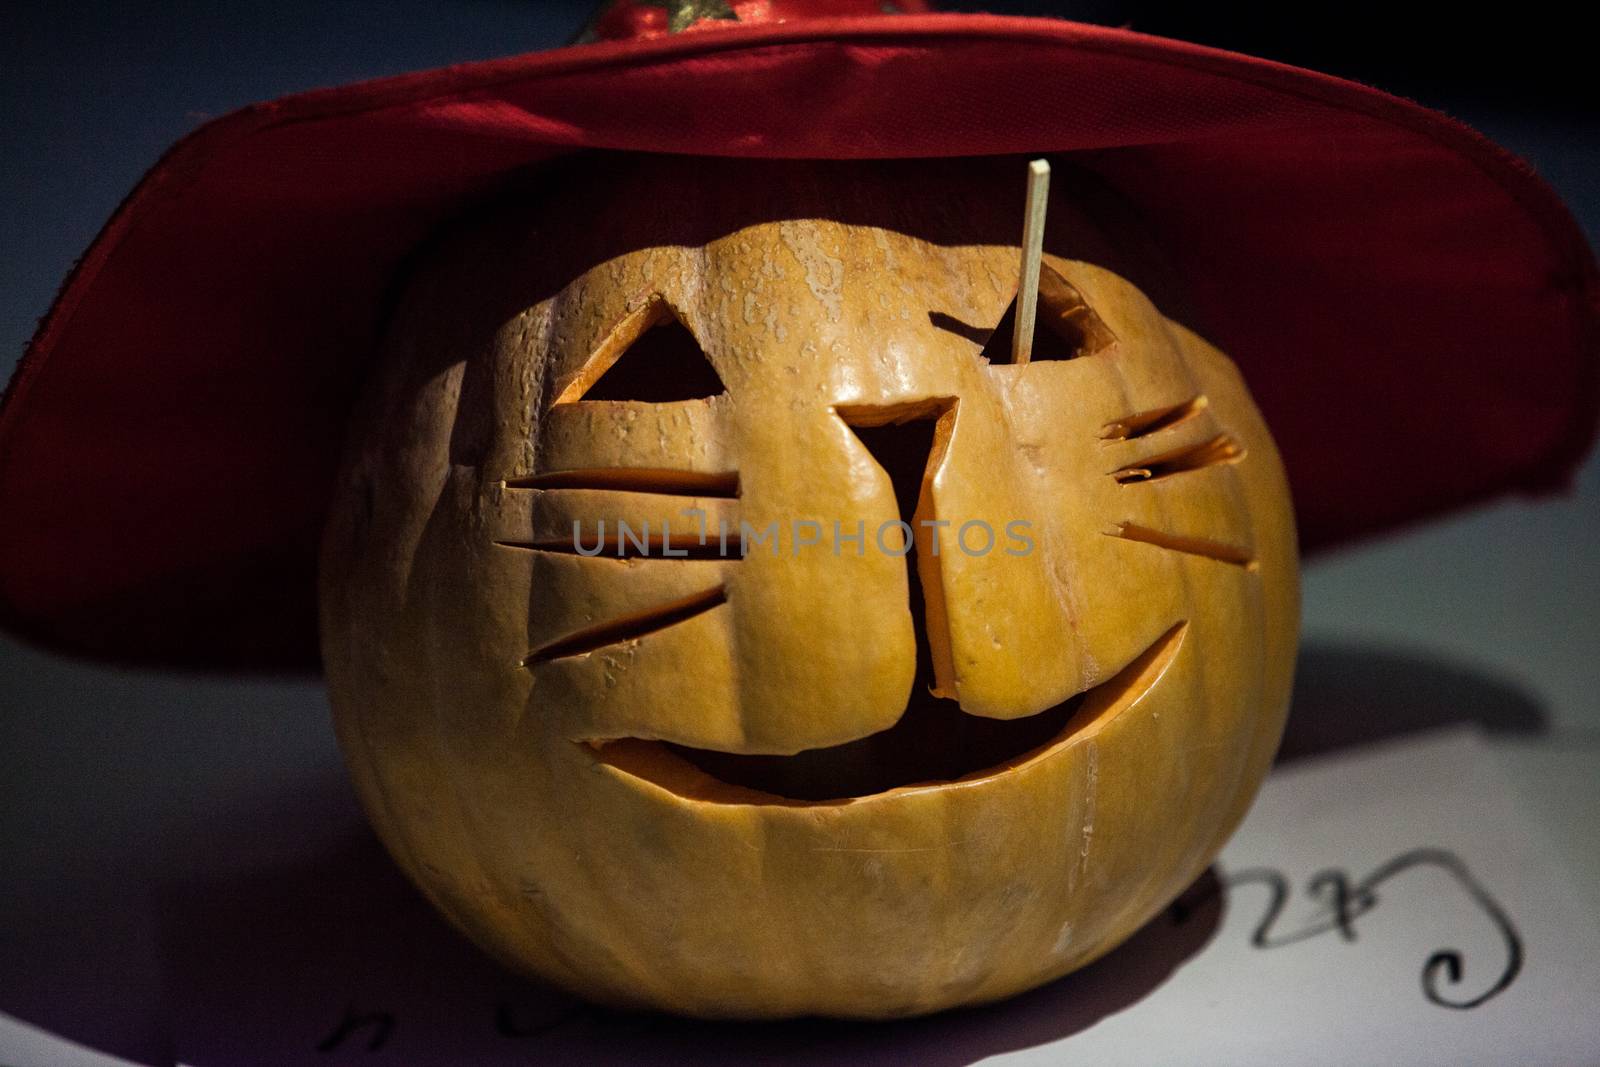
point(339, 962)
point(22, 1045)
point(1358, 997)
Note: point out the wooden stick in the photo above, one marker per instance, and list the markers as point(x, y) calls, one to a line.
point(1032, 247)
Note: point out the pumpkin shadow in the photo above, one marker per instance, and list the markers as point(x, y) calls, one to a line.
point(319, 948)
point(340, 957)
point(1350, 695)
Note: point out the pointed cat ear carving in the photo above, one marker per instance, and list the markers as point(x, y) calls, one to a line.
point(651, 357)
point(1067, 327)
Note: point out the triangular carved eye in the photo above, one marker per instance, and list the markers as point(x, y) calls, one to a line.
point(650, 357)
point(1066, 327)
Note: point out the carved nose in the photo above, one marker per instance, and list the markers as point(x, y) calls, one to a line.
point(988, 623)
point(909, 440)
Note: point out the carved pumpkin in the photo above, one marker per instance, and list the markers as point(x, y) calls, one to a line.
point(819, 774)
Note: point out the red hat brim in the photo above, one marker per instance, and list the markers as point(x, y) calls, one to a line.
point(1414, 310)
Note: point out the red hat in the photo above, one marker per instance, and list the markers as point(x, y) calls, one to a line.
point(1413, 309)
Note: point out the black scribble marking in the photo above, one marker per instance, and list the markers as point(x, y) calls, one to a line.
point(1345, 902)
point(381, 1023)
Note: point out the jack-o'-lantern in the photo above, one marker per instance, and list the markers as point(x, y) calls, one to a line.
point(643, 680)
point(720, 613)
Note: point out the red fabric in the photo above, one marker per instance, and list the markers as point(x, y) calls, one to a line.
point(1414, 310)
point(627, 19)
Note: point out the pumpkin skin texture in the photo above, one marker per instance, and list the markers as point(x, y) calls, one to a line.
point(606, 770)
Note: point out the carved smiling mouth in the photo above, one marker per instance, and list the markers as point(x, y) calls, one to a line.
point(933, 744)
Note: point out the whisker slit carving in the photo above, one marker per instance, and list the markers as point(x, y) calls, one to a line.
point(628, 627)
point(1145, 423)
point(723, 486)
point(654, 547)
point(1220, 449)
point(1189, 546)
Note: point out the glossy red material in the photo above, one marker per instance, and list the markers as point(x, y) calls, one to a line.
point(623, 20)
point(1414, 310)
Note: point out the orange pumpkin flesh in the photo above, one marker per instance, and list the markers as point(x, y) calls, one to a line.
point(802, 781)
